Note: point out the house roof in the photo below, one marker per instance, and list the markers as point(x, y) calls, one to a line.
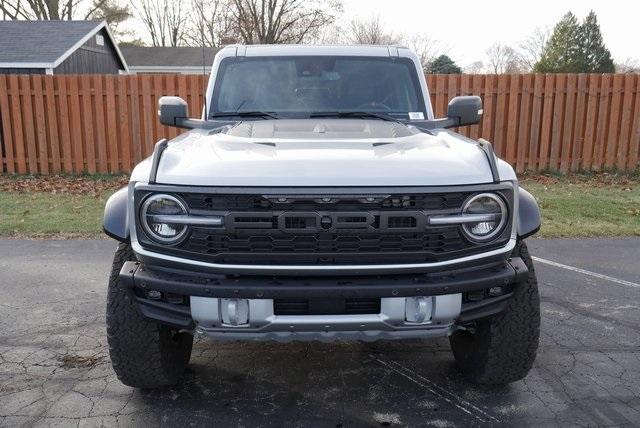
point(167, 57)
point(45, 44)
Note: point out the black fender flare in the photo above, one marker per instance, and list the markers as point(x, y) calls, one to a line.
point(528, 214)
point(115, 222)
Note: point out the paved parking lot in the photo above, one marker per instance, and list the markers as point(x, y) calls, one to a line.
point(54, 367)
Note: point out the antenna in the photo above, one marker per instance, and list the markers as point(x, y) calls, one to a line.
point(204, 60)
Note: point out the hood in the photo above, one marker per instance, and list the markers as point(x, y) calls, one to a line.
point(322, 152)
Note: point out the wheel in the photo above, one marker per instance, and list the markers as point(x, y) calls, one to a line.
point(502, 349)
point(144, 354)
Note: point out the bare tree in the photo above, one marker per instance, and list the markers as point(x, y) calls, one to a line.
point(475, 67)
point(531, 48)
point(628, 66)
point(331, 34)
point(46, 9)
point(165, 20)
point(10, 11)
point(502, 59)
point(281, 21)
point(211, 24)
point(425, 47)
point(371, 32)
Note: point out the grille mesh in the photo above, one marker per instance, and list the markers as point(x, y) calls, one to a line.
point(203, 241)
point(326, 306)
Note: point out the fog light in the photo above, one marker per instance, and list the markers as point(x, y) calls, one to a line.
point(418, 309)
point(234, 311)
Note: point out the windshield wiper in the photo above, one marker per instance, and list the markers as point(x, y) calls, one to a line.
point(357, 114)
point(245, 114)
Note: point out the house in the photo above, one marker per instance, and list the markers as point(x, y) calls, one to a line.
point(181, 60)
point(59, 47)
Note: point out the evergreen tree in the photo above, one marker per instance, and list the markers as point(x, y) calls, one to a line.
point(562, 52)
point(596, 56)
point(443, 65)
point(576, 48)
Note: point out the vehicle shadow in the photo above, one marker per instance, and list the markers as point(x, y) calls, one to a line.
point(387, 383)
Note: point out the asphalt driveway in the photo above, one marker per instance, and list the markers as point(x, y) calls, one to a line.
point(55, 370)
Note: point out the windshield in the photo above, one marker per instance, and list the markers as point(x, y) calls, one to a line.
point(302, 86)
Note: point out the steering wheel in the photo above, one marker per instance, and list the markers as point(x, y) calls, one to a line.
point(374, 105)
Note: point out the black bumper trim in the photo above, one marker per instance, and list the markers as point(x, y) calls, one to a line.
point(483, 309)
point(135, 274)
point(176, 316)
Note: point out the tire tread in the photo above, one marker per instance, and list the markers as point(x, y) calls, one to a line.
point(143, 353)
point(504, 347)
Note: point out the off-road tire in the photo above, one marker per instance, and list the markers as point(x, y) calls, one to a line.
point(144, 354)
point(502, 349)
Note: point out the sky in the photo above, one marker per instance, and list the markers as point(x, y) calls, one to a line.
point(467, 28)
point(464, 29)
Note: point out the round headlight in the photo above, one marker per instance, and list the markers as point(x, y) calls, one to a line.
point(155, 216)
point(493, 208)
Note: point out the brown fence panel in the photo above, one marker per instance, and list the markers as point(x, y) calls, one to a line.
point(563, 122)
point(124, 131)
point(634, 143)
point(579, 129)
point(622, 154)
point(105, 123)
point(524, 129)
point(62, 117)
point(6, 132)
point(535, 122)
point(13, 92)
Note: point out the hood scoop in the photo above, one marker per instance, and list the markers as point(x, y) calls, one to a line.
point(321, 129)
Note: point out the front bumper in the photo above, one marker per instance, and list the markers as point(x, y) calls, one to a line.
point(262, 324)
point(446, 292)
point(136, 274)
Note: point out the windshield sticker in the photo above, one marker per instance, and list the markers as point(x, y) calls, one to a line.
point(416, 115)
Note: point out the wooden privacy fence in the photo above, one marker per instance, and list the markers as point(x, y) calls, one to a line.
point(560, 122)
point(86, 123)
point(106, 124)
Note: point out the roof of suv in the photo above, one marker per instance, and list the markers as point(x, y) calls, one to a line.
point(284, 50)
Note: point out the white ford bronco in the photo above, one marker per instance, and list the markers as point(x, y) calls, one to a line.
point(317, 198)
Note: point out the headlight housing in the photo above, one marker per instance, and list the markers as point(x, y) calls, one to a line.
point(153, 209)
point(485, 204)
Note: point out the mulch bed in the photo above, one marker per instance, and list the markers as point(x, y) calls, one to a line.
point(59, 184)
point(600, 179)
point(92, 186)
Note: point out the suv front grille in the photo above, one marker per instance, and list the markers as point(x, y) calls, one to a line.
point(310, 229)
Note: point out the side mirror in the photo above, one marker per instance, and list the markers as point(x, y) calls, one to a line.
point(465, 110)
point(172, 111)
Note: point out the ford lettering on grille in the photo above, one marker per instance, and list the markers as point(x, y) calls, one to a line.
point(313, 222)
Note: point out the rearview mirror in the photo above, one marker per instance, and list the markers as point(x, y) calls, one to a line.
point(465, 110)
point(172, 111)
